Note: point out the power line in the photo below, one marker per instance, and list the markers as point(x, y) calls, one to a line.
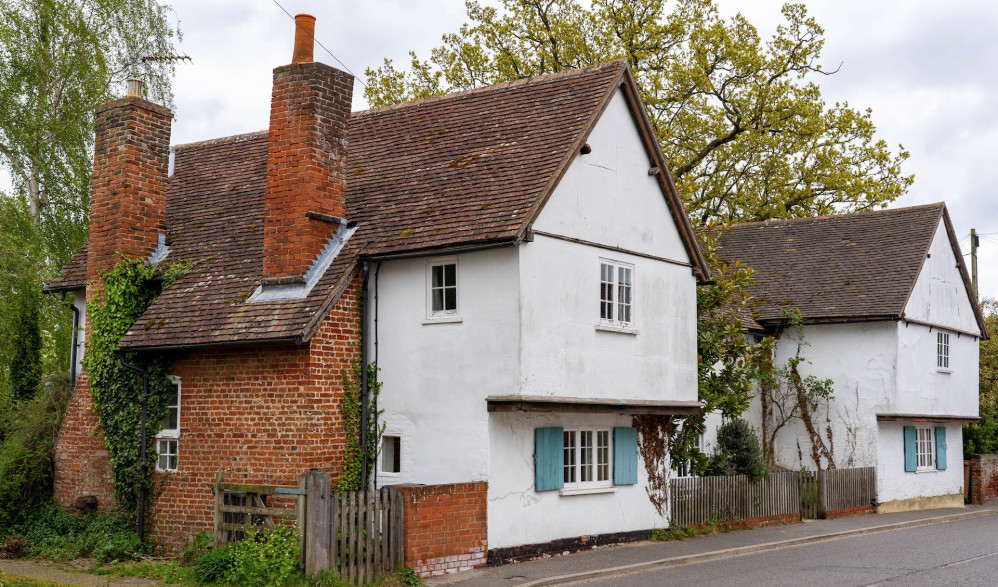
point(319, 43)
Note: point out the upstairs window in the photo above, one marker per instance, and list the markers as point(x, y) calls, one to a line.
point(942, 350)
point(442, 288)
point(616, 294)
point(168, 439)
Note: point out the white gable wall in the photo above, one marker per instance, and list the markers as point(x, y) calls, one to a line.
point(939, 296)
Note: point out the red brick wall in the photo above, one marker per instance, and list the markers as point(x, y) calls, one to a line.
point(259, 414)
point(306, 161)
point(983, 478)
point(82, 462)
point(445, 527)
point(128, 201)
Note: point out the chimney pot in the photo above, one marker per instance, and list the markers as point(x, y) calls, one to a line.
point(304, 38)
point(133, 88)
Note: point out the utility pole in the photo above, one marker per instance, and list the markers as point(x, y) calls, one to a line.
point(973, 261)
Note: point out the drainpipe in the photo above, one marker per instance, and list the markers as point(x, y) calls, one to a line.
point(363, 376)
point(141, 526)
point(76, 341)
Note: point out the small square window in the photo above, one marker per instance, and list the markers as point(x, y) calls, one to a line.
point(391, 454)
point(167, 451)
point(616, 293)
point(442, 288)
point(942, 350)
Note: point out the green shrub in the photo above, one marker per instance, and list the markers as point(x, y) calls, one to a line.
point(981, 438)
point(27, 449)
point(51, 533)
point(202, 543)
point(738, 451)
point(407, 576)
point(212, 565)
point(328, 578)
point(267, 559)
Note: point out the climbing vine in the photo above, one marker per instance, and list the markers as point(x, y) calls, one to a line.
point(654, 438)
point(787, 396)
point(129, 288)
point(352, 478)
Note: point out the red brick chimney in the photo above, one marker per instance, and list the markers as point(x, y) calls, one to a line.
point(128, 198)
point(306, 160)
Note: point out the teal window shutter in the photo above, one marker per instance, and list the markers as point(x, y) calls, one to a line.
point(941, 448)
point(625, 456)
point(549, 458)
point(910, 462)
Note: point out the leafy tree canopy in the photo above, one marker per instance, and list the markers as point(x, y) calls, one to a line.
point(59, 60)
point(745, 130)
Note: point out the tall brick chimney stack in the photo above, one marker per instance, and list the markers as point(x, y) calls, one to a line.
point(306, 160)
point(128, 197)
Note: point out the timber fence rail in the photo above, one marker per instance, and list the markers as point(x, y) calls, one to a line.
point(695, 500)
point(847, 489)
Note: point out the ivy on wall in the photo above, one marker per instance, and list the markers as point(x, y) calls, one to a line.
point(129, 288)
point(354, 454)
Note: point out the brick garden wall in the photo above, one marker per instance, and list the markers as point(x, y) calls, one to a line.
point(983, 478)
point(445, 527)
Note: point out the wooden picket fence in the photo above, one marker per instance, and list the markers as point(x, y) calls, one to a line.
point(695, 500)
point(845, 489)
point(358, 534)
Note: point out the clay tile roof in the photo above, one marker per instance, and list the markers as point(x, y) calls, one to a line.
point(849, 266)
point(466, 168)
point(73, 276)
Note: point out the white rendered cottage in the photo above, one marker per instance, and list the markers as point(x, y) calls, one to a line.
point(891, 319)
point(522, 362)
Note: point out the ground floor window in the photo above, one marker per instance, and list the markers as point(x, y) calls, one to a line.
point(167, 459)
point(924, 448)
point(581, 457)
point(168, 439)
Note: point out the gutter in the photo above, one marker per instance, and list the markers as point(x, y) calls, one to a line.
point(438, 252)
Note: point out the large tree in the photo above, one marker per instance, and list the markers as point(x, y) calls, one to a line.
point(743, 125)
point(59, 60)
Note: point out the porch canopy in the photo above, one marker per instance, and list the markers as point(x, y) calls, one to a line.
point(579, 405)
point(927, 418)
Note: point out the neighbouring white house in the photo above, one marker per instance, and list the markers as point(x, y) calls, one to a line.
point(891, 319)
point(522, 363)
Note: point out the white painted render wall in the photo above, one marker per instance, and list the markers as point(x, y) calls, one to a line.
point(520, 515)
point(435, 376)
point(924, 388)
point(894, 483)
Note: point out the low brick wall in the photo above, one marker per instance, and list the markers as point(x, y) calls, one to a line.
point(983, 478)
point(445, 527)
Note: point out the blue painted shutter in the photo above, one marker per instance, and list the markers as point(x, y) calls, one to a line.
point(941, 448)
point(625, 456)
point(910, 462)
point(549, 458)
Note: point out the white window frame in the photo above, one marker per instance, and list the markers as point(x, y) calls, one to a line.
point(446, 315)
point(398, 456)
point(610, 308)
point(942, 351)
point(573, 467)
point(925, 448)
point(170, 436)
point(686, 467)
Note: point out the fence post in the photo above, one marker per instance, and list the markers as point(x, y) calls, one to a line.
point(219, 502)
point(302, 521)
point(318, 505)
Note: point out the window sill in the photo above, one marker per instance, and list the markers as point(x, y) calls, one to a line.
point(587, 491)
point(618, 329)
point(168, 435)
point(443, 320)
point(942, 370)
point(920, 471)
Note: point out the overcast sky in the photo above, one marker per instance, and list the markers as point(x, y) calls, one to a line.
point(926, 68)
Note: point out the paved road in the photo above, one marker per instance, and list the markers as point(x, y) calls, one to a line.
point(963, 552)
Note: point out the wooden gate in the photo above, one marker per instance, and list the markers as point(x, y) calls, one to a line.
point(241, 507)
